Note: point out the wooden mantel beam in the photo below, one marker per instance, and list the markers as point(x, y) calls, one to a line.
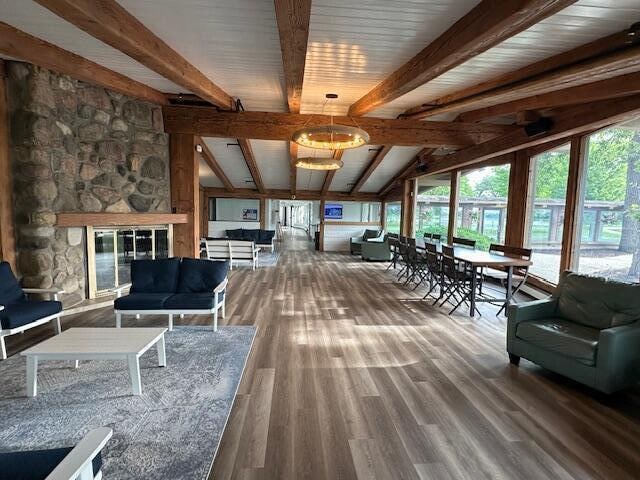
point(250, 159)
point(488, 24)
point(373, 164)
point(611, 88)
point(107, 21)
point(587, 71)
point(208, 157)
point(567, 122)
point(293, 25)
point(20, 45)
point(208, 122)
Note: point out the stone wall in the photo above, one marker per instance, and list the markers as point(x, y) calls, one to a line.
point(77, 148)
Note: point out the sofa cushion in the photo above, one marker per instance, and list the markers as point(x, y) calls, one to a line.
point(563, 337)
point(597, 302)
point(266, 237)
point(192, 301)
point(201, 276)
point(10, 290)
point(22, 313)
point(37, 464)
point(250, 235)
point(235, 234)
point(141, 301)
point(155, 276)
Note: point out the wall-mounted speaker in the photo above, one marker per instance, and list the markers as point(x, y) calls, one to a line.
point(540, 126)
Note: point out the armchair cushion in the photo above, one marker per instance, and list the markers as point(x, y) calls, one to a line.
point(192, 301)
point(562, 337)
point(24, 312)
point(155, 276)
point(597, 302)
point(10, 290)
point(369, 234)
point(200, 276)
point(37, 464)
point(141, 301)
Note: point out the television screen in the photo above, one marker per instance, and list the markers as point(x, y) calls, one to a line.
point(333, 212)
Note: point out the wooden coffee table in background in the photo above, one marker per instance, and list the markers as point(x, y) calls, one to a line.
point(97, 344)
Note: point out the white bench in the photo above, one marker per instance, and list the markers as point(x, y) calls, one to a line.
point(232, 250)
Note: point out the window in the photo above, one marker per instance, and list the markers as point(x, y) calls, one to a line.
point(482, 206)
point(546, 211)
point(608, 242)
point(432, 205)
point(392, 217)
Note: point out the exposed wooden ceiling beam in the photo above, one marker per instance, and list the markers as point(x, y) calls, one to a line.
point(611, 88)
point(208, 157)
point(284, 194)
point(293, 25)
point(20, 45)
point(250, 159)
point(567, 121)
point(207, 122)
point(373, 164)
point(107, 21)
point(601, 46)
point(328, 178)
point(421, 156)
point(580, 73)
point(488, 24)
point(293, 170)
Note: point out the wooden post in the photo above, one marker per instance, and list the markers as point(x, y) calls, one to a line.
point(383, 215)
point(321, 228)
point(7, 236)
point(407, 210)
point(573, 205)
point(518, 200)
point(454, 197)
point(263, 213)
point(204, 213)
point(185, 191)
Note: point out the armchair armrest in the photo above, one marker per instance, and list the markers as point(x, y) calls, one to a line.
point(118, 290)
point(378, 239)
point(222, 287)
point(531, 310)
point(356, 239)
point(618, 360)
point(79, 461)
point(52, 292)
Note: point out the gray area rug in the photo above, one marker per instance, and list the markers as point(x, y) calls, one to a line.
point(171, 431)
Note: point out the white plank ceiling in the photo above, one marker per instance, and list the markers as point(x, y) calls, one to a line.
point(207, 177)
point(353, 45)
point(355, 161)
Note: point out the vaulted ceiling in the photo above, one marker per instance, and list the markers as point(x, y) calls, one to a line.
point(352, 47)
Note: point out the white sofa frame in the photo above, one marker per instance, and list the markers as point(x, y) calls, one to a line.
point(219, 304)
point(78, 464)
point(54, 294)
point(245, 250)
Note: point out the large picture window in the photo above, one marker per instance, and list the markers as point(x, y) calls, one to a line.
point(482, 205)
point(608, 238)
point(432, 205)
point(550, 171)
point(392, 217)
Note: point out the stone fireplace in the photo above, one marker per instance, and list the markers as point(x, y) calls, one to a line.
point(78, 148)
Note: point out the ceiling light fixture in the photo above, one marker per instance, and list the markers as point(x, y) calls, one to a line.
point(331, 137)
point(314, 163)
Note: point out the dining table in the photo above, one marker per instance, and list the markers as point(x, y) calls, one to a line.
point(479, 259)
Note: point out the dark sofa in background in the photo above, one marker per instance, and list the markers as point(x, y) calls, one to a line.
point(262, 238)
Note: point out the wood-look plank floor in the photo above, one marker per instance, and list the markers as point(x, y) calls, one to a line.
point(351, 376)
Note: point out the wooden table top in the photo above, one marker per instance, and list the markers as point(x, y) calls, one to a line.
point(98, 341)
point(480, 258)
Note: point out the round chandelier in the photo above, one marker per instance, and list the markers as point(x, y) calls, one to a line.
point(331, 137)
point(314, 163)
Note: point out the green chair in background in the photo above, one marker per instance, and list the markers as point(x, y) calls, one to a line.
point(355, 243)
point(588, 330)
point(376, 250)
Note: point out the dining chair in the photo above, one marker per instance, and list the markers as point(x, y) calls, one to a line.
point(457, 276)
point(436, 236)
point(434, 268)
point(464, 242)
point(519, 274)
point(394, 246)
point(428, 236)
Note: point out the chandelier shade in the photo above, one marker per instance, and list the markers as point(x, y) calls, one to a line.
point(331, 137)
point(314, 163)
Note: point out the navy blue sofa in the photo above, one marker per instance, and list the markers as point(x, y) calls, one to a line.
point(18, 313)
point(79, 462)
point(262, 238)
point(174, 286)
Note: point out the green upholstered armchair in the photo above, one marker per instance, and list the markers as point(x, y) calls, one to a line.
point(355, 243)
point(376, 250)
point(588, 330)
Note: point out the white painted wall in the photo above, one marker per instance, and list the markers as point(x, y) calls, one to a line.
point(358, 211)
point(336, 236)
point(230, 209)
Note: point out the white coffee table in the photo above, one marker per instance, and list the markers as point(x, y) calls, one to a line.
point(97, 344)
